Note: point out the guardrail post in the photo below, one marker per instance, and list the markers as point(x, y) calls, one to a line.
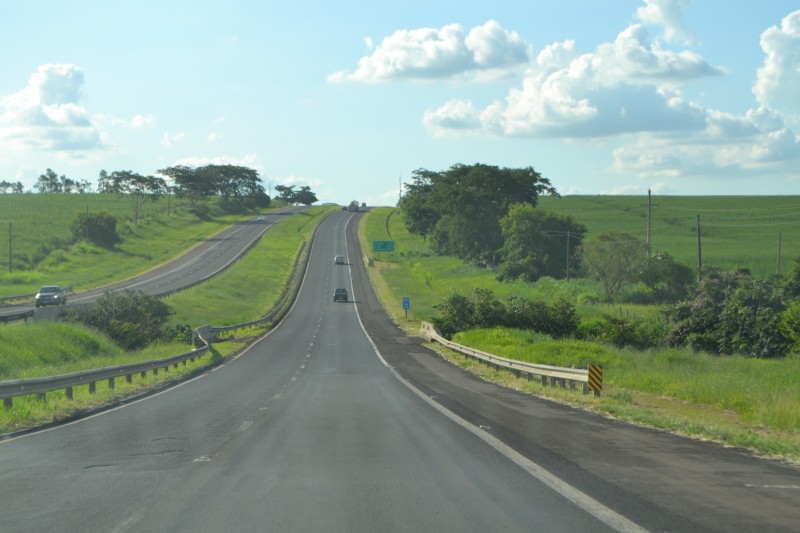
point(69, 393)
point(544, 380)
point(92, 387)
point(8, 403)
point(129, 378)
point(111, 383)
point(596, 378)
point(41, 396)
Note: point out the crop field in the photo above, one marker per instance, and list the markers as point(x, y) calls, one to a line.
point(735, 231)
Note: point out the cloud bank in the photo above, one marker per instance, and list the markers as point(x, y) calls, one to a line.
point(46, 115)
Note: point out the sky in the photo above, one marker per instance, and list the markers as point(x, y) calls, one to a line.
point(679, 97)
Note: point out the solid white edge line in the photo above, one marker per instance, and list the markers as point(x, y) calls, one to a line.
point(582, 500)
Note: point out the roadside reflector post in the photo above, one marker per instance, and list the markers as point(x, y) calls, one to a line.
point(596, 378)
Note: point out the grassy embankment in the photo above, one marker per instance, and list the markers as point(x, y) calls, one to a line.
point(39, 229)
point(736, 401)
point(244, 292)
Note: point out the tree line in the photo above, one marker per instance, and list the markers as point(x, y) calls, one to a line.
point(487, 216)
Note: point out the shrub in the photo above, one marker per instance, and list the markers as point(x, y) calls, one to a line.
point(97, 228)
point(132, 319)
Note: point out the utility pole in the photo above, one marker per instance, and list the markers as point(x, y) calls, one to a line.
point(567, 256)
point(649, 222)
point(10, 260)
point(778, 270)
point(699, 254)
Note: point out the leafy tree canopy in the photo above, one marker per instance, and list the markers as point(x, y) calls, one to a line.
point(302, 196)
point(539, 243)
point(460, 208)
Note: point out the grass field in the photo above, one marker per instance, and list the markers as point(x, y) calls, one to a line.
point(40, 233)
point(734, 400)
point(736, 231)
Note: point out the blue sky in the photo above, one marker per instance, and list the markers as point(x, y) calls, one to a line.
point(613, 97)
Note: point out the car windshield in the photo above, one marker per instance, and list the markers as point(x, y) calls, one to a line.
point(49, 289)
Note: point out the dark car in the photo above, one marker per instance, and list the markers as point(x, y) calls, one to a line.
point(339, 260)
point(340, 294)
point(50, 295)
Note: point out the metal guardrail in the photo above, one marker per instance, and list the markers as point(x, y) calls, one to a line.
point(22, 315)
point(41, 386)
point(550, 375)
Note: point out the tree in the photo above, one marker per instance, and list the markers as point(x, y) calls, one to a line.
point(231, 181)
point(187, 183)
point(419, 213)
point(305, 197)
point(98, 228)
point(48, 182)
point(460, 208)
point(137, 189)
point(613, 258)
point(285, 193)
point(106, 185)
point(667, 279)
point(538, 243)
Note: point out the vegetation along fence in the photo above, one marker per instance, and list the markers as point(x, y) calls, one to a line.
point(591, 378)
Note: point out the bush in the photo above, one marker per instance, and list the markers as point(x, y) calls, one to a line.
point(459, 312)
point(97, 228)
point(640, 334)
point(132, 319)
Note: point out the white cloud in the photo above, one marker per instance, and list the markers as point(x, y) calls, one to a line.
point(625, 86)
point(143, 121)
point(429, 53)
point(778, 81)
point(213, 137)
point(669, 14)
point(756, 143)
point(171, 140)
point(46, 116)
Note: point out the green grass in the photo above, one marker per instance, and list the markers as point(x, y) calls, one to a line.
point(40, 239)
point(254, 285)
point(736, 231)
point(734, 400)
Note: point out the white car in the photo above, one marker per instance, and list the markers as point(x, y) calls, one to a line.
point(338, 260)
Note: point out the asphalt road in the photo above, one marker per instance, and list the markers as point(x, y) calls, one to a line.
point(320, 427)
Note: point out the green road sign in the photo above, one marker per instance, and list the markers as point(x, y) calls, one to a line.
point(383, 246)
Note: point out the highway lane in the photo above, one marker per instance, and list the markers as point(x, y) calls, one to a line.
point(204, 260)
point(308, 430)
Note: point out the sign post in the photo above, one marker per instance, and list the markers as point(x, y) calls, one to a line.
point(406, 305)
